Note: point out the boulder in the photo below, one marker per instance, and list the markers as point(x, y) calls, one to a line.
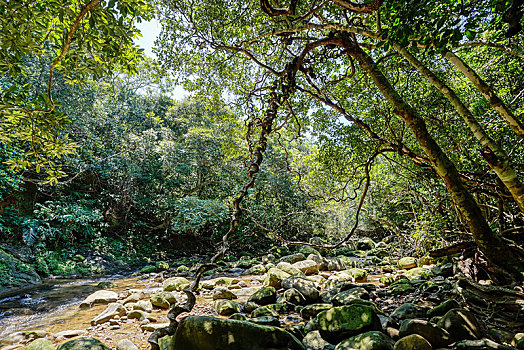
point(308, 267)
point(312, 310)
point(342, 322)
point(106, 285)
point(148, 269)
point(258, 269)
point(313, 341)
point(112, 310)
point(144, 305)
point(125, 344)
point(461, 325)
point(413, 342)
point(16, 273)
point(372, 340)
point(176, 283)
point(69, 333)
point(226, 307)
point(415, 272)
point(365, 244)
point(265, 320)
point(321, 261)
point(40, 344)
point(137, 314)
point(265, 295)
point(435, 335)
point(407, 263)
point(162, 265)
point(274, 277)
point(335, 264)
point(264, 311)
point(223, 293)
point(306, 287)
point(162, 300)
point(293, 258)
point(441, 309)
point(292, 296)
point(290, 269)
point(99, 297)
point(23, 336)
point(84, 344)
point(409, 310)
point(359, 275)
point(345, 297)
point(211, 333)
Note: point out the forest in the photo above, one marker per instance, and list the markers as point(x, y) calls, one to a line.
point(338, 175)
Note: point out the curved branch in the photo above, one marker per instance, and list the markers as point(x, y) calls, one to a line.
point(370, 7)
point(275, 11)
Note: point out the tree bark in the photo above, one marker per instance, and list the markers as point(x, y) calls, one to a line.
point(495, 250)
point(493, 154)
point(495, 101)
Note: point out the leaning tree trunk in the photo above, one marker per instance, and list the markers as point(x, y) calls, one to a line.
point(495, 101)
point(493, 154)
point(491, 245)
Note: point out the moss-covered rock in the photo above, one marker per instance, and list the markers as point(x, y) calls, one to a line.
point(345, 297)
point(226, 307)
point(148, 269)
point(265, 295)
point(407, 262)
point(162, 265)
point(341, 322)
point(413, 342)
point(162, 300)
point(14, 273)
point(40, 344)
point(84, 344)
point(274, 277)
point(372, 340)
point(176, 283)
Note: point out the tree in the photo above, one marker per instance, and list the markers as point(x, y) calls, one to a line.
point(311, 51)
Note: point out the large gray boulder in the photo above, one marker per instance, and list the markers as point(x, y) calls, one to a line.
point(211, 333)
point(309, 289)
point(99, 297)
point(111, 311)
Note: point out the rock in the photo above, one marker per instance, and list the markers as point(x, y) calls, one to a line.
point(223, 293)
point(306, 287)
point(265, 320)
point(265, 295)
point(402, 286)
point(408, 310)
point(125, 344)
point(359, 275)
point(148, 269)
point(111, 311)
point(264, 311)
point(162, 300)
point(16, 273)
point(274, 277)
point(341, 322)
point(306, 250)
point(415, 272)
point(308, 267)
point(345, 297)
point(99, 297)
point(132, 298)
point(162, 265)
point(22, 336)
point(413, 342)
point(481, 344)
point(182, 269)
point(281, 308)
point(321, 261)
point(269, 258)
point(435, 335)
point(69, 334)
point(238, 316)
point(151, 327)
point(211, 333)
point(313, 310)
point(137, 314)
point(293, 258)
point(106, 285)
point(292, 296)
point(461, 325)
point(386, 280)
point(40, 344)
point(372, 340)
point(407, 263)
point(226, 307)
point(335, 264)
point(144, 305)
point(365, 244)
point(313, 341)
point(441, 309)
point(250, 306)
point(84, 344)
point(518, 341)
point(290, 269)
point(258, 269)
point(176, 283)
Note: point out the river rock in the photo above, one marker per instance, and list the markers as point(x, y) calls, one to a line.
point(441, 309)
point(461, 325)
point(162, 299)
point(258, 269)
point(408, 310)
point(69, 334)
point(265, 295)
point(144, 305)
point(313, 341)
point(151, 327)
point(137, 314)
point(99, 297)
point(407, 262)
point(415, 272)
point(435, 335)
point(292, 296)
point(359, 275)
point(290, 269)
point(40, 344)
point(265, 320)
point(21, 336)
point(16, 273)
point(125, 344)
point(84, 344)
point(308, 267)
point(335, 264)
point(293, 258)
point(111, 311)
point(211, 333)
point(413, 342)
point(306, 287)
point(313, 310)
point(372, 340)
point(223, 293)
point(345, 297)
point(226, 307)
point(263, 311)
point(365, 244)
point(341, 322)
point(480, 344)
point(274, 277)
point(132, 298)
point(176, 283)
point(321, 261)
